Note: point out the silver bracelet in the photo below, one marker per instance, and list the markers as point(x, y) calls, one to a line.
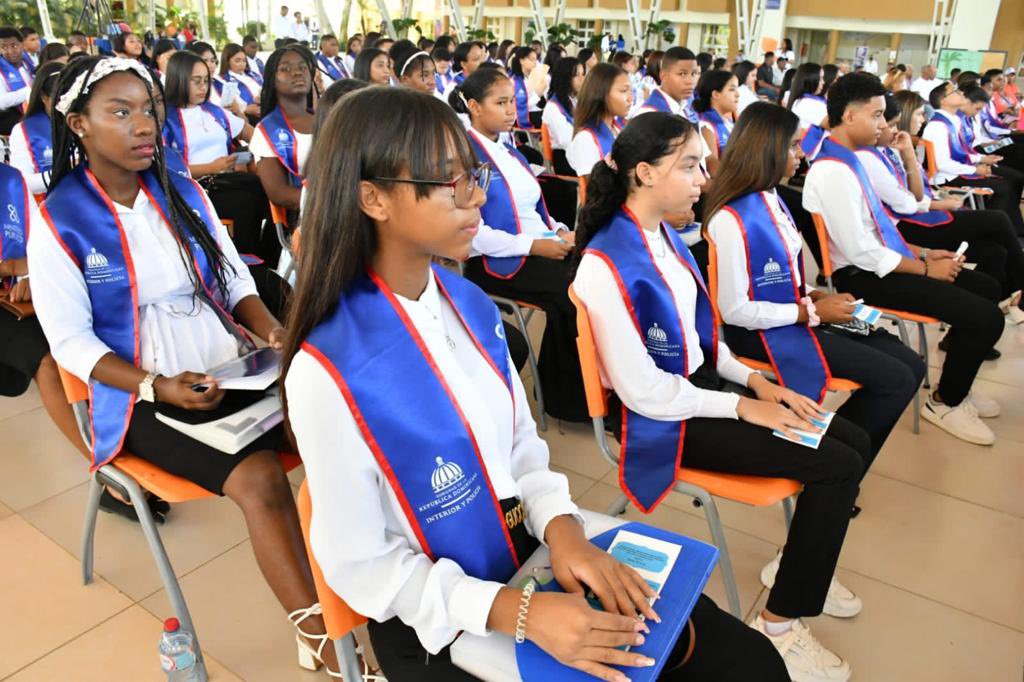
point(524, 607)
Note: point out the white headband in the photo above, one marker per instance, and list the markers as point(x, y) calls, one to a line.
point(410, 60)
point(103, 69)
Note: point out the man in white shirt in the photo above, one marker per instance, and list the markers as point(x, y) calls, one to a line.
point(31, 46)
point(872, 261)
point(299, 29)
point(282, 24)
point(926, 82)
point(871, 65)
point(15, 78)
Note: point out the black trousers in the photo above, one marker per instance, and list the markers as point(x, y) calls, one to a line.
point(239, 197)
point(991, 241)
point(968, 305)
point(725, 650)
point(802, 218)
point(1013, 154)
point(888, 371)
point(1007, 188)
point(545, 282)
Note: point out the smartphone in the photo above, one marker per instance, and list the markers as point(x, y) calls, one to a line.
point(228, 94)
point(243, 158)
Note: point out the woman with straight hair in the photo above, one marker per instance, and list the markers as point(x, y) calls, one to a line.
point(829, 73)
point(805, 95)
point(519, 251)
point(373, 65)
point(139, 286)
point(353, 46)
point(466, 58)
point(234, 68)
point(127, 44)
point(374, 319)
point(716, 102)
point(605, 100)
point(54, 52)
point(566, 81)
point(520, 66)
point(746, 75)
point(683, 398)
point(505, 49)
point(771, 315)
point(895, 79)
point(31, 138)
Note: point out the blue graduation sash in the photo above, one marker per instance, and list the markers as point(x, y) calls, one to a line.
point(37, 131)
point(218, 85)
point(894, 166)
point(959, 151)
point(85, 222)
point(603, 136)
point(651, 450)
point(688, 113)
point(658, 102)
point(279, 133)
point(717, 123)
point(243, 89)
point(561, 108)
point(992, 125)
point(522, 102)
point(426, 449)
point(175, 162)
point(333, 69)
point(259, 66)
point(793, 349)
point(887, 231)
point(14, 211)
point(811, 141)
point(967, 128)
point(29, 62)
point(12, 76)
point(176, 137)
point(499, 211)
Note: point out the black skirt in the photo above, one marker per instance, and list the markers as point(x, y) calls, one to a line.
point(22, 348)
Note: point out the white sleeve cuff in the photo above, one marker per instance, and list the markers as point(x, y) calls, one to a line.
point(717, 404)
point(924, 205)
point(542, 511)
point(470, 604)
point(889, 262)
point(88, 352)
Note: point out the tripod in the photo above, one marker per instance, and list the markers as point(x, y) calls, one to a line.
point(98, 11)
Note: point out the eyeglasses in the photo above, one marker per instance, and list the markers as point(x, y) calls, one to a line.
point(462, 187)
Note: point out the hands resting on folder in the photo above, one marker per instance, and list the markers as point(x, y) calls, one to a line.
point(565, 625)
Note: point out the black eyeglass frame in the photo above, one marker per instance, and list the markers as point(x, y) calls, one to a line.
point(483, 174)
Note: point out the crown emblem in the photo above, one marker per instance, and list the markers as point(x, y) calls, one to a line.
point(445, 475)
point(656, 333)
point(772, 268)
point(95, 260)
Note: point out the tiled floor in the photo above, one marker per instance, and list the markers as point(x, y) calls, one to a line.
point(937, 555)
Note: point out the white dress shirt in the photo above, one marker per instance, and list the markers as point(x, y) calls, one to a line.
point(673, 106)
point(360, 536)
point(924, 86)
point(9, 99)
point(704, 125)
point(261, 149)
point(937, 133)
point(282, 26)
point(888, 188)
point(734, 302)
point(177, 332)
point(811, 111)
point(494, 241)
point(21, 158)
point(584, 152)
point(249, 83)
point(747, 97)
point(206, 137)
point(300, 31)
point(559, 128)
point(832, 190)
point(625, 363)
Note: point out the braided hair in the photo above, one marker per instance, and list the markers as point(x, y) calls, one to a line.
point(69, 152)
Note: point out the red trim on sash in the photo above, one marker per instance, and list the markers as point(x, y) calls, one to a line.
point(28, 145)
point(512, 203)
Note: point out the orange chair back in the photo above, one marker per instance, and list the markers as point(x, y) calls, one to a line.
point(338, 617)
point(75, 390)
point(822, 232)
point(597, 397)
point(930, 164)
point(296, 240)
point(545, 143)
point(278, 214)
point(583, 189)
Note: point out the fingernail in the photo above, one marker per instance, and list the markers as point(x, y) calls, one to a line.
point(622, 678)
point(643, 660)
point(640, 639)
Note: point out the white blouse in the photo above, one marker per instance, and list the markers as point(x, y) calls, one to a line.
point(206, 141)
point(625, 363)
point(493, 241)
point(559, 127)
point(177, 332)
point(811, 111)
point(10, 99)
point(734, 302)
point(360, 536)
point(888, 188)
point(21, 158)
point(746, 99)
point(261, 149)
point(937, 133)
point(584, 152)
point(249, 83)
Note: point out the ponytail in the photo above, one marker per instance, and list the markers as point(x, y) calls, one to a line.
point(457, 101)
point(476, 87)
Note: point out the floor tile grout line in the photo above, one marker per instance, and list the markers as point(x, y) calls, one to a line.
point(973, 503)
point(190, 572)
point(46, 499)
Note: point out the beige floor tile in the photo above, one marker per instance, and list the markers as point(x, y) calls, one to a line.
point(39, 462)
point(1008, 369)
point(195, 532)
point(5, 511)
point(29, 400)
point(578, 483)
point(238, 619)
point(44, 601)
point(123, 648)
point(902, 637)
point(573, 447)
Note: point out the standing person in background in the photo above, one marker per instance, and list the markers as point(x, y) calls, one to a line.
point(31, 46)
point(281, 25)
point(786, 51)
point(251, 48)
point(300, 30)
point(871, 65)
point(15, 78)
point(926, 82)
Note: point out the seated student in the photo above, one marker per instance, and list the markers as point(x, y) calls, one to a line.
point(384, 201)
point(771, 316)
point(655, 333)
point(746, 75)
point(353, 46)
point(54, 52)
point(31, 139)
point(31, 44)
point(466, 58)
point(284, 134)
point(766, 86)
point(901, 184)
point(958, 166)
point(716, 101)
point(679, 76)
point(566, 81)
point(981, 129)
point(162, 51)
point(784, 86)
point(414, 68)
point(251, 47)
point(128, 45)
point(234, 68)
point(373, 65)
point(442, 70)
point(873, 262)
point(520, 250)
point(987, 125)
point(805, 98)
point(589, 58)
point(605, 100)
point(527, 101)
point(1006, 109)
point(15, 78)
point(329, 63)
point(140, 291)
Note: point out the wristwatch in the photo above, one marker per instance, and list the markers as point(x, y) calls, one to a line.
point(146, 389)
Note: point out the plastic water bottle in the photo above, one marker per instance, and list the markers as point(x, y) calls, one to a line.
point(177, 653)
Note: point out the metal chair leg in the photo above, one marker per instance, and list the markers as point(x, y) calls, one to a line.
point(538, 394)
point(618, 507)
point(787, 511)
point(732, 594)
point(92, 509)
point(922, 349)
point(348, 661)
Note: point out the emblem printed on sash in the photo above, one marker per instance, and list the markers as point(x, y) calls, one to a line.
point(453, 492)
point(12, 229)
point(657, 342)
point(99, 271)
point(772, 273)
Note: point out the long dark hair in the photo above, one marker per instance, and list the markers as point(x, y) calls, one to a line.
point(755, 158)
point(475, 87)
point(229, 51)
point(648, 138)
point(742, 70)
point(711, 82)
point(562, 75)
point(268, 95)
point(68, 152)
point(52, 52)
point(787, 81)
point(461, 53)
point(503, 50)
point(590, 105)
point(829, 74)
point(805, 82)
point(515, 64)
point(334, 92)
point(361, 69)
point(177, 91)
point(45, 83)
point(419, 137)
point(653, 65)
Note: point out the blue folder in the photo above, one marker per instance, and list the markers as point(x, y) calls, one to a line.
point(678, 597)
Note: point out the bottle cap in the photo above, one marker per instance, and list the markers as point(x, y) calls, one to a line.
point(171, 625)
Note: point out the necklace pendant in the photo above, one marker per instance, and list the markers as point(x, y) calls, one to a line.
point(451, 344)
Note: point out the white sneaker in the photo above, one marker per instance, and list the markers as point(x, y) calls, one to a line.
point(805, 658)
point(840, 602)
point(961, 421)
point(986, 408)
point(1010, 303)
point(1015, 315)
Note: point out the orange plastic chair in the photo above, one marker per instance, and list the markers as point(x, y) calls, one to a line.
point(702, 486)
point(898, 317)
point(133, 476)
point(834, 384)
point(339, 618)
point(545, 146)
point(931, 169)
